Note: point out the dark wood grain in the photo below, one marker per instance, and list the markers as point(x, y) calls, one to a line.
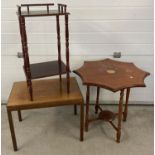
point(44, 69)
point(120, 113)
point(67, 52)
point(106, 115)
point(87, 109)
point(115, 76)
point(97, 100)
point(62, 10)
point(25, 54)
point(111, 74)
point(59, 45)
point(125, 113)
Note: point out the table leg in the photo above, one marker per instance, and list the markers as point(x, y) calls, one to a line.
point(97, 100)
point(120, 115)
point(81, 121)
point(19, 115)
point(75, 109)
point(87, 109)
point(12, 130)
point(126, 105)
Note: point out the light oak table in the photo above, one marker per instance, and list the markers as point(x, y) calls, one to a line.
point(47, 93)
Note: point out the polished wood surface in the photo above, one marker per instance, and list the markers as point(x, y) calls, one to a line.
point(115, 76)
point(47, 93)
point(45, 69)
point(42, 13)
point(125, 113)
point(67, 52)
point(106, 115)
point(48, 10)
point(111, 74)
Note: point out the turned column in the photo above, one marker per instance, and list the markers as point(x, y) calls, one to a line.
point(120, 112)
point(25, 54)
point(97, 100)
point(87, 108)
point(67, 52)
point(126, 104)
point(59, 45)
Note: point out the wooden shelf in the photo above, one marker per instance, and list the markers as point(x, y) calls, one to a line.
point(42, 13)
point(46, 69)
point(47, 11)
point(106, 115)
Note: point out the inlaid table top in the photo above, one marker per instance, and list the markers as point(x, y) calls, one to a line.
point(111, 74)
point(47, 93)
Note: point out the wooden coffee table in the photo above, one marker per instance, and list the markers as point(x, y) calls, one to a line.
point(47, 93)
point(114, 76)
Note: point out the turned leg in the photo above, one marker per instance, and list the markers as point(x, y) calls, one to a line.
point(12, 130)
point(75, 109)
point(81, 121)
point(30, 90)
point(19, 116)
point(126, 105)
point(97, 100)
point(120, 115)
point(67, 53)
point(87, 109)
point(29, 85)
point(25, 54)
point(59, 46)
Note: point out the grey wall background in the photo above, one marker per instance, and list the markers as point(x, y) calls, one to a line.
point(97, 29)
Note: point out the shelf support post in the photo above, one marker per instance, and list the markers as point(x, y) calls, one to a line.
point(67, 52)
point(59, 46)
point(25, 54)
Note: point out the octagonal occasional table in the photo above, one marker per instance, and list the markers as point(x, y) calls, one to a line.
point(114, 76)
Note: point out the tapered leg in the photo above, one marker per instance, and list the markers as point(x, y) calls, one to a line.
point(75, 109)
point(126, 105)
point(87, 109)
point(81, 121)
point(19, 115)
point(97, 100)
point(120, 115)
point(12, 130)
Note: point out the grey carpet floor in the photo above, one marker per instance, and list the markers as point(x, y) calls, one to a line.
point(55, 131)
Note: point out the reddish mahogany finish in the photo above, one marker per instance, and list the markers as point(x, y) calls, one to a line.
point(114, 76)
point(45, 69)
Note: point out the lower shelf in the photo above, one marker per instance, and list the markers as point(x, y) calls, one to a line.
point(106, 115)
point(46, 69)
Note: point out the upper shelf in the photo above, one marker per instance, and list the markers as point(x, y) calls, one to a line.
point(62, 10)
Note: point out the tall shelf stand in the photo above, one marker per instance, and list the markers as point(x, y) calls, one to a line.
point(50, 68)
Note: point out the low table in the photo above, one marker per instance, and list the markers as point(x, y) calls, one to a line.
point(47, 93)
point(114, 76)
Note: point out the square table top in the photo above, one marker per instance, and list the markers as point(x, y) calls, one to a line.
point(47, 93)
